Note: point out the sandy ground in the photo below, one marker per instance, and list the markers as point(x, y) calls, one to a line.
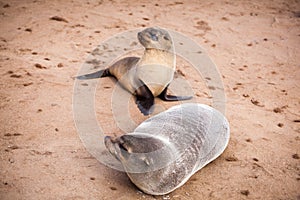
point(255, 45)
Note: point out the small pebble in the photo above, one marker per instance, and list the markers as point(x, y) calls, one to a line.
point(166, 197)
point(13, 147)
point(231, 159)
point(280, 125)
point(39, 66)
point(245, 192)
point(277, 110)
point(113, 188)
point(16, 76)
point(295, 156)
point(248, 140)
point(27, 84)
point(59, 19)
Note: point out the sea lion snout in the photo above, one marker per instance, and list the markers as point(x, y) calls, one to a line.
point(151, 35)
point(117, 147)
point(109, 143)
point(140, 153)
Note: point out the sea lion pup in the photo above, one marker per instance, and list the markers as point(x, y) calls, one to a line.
point(149, 76)
point(164, 151)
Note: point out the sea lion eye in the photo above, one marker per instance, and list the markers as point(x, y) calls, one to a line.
point(122, 147)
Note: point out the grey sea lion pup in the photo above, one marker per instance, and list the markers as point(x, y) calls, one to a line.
point(164, 151)
point(149, 76)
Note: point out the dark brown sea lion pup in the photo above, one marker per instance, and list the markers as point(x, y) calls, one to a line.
point(164, 151)
point(149, 76)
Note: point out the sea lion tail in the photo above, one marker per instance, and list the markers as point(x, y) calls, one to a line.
point(98, 74)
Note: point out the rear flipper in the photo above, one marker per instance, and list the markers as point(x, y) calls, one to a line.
point(98, 74)
point(166, 97)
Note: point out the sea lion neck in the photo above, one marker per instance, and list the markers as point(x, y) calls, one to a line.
point(155, 56)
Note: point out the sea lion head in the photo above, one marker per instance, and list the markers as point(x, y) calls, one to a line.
point(155, 38)
point(147, 160)
point(139, 153)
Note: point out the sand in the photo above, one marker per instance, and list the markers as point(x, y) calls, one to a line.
point(43, 44)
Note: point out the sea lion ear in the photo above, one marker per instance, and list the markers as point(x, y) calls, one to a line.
point(167, 38)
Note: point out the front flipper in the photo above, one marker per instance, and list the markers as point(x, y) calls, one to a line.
point(166, 97)
point(144, 99)
point(98, 74)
